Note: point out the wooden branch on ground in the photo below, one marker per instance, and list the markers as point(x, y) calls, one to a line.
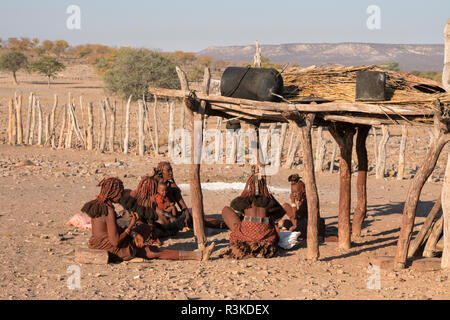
point(421, 236)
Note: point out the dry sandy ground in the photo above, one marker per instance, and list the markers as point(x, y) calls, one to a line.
point(37, 200)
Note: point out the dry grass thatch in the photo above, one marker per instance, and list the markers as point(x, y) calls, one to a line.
point(338, 83)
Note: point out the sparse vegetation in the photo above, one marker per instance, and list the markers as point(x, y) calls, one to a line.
point(132, 71)
point(392, 66)
point(433, 75)
point(13, 61)
point(47, 66)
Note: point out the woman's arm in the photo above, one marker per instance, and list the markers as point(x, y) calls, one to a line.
point(113, 234)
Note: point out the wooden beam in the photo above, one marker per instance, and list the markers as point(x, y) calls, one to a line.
point(343, 134)
point(284, 106)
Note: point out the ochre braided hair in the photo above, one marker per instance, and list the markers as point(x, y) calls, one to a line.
point(111, 188)
point(250, 187)
point(146, 190)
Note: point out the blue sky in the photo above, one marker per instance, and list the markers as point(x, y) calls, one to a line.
point(197, 24)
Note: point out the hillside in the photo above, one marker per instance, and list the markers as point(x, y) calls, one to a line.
point(409, 56)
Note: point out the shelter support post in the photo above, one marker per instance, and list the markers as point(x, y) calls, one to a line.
point(343, 134)
point(361, 182)
point(303, 124)
point(195, 115)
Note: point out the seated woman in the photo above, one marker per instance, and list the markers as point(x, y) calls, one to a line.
point(256, 233)
point(164, 175)
point(142, 201)
point(297, 210)
point(125, 244)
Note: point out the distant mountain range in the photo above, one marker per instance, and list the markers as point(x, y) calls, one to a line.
point(426, 57)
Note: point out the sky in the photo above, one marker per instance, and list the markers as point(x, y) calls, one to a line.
point(194, 25)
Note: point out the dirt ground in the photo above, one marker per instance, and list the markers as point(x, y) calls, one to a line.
point(38, 197)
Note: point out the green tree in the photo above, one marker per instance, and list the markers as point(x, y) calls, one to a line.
point(13, 61)
point(47, 66)
point(133, 71)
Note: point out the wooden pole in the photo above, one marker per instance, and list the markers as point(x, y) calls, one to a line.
point(284, 127)
point(333, 156)
point(69, 124)
point(401, 156)
point(257, 57)
point(409, 212)
point(361, 182)
point(83, 128)
point(319, 149)
point(375, 147)
point(127, 126)
point(19, 119)
point(291, 155)
point(303, 124)
point(90, 128)
point(343, 134)
point(75, 125)
point(195, 124)
point(33, 121)
point(47, 129)
point(445, 263)
point(446, 71)
point(63, 125)
point(218, 142)
point(39, 109)
point(155, 112)
point(171, 127)
point(141, 127)
point(147, 125)
point(381, 168)
point(52, 121)
point(430, 247)
point(112, 126)
point(11, 140)
point(27, 130)
point(103, 127)
point(421, 237)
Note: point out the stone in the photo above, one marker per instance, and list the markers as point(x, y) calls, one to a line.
point(383, 262)
point(425, 264)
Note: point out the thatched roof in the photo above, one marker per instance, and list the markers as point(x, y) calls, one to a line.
point(338, 83)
